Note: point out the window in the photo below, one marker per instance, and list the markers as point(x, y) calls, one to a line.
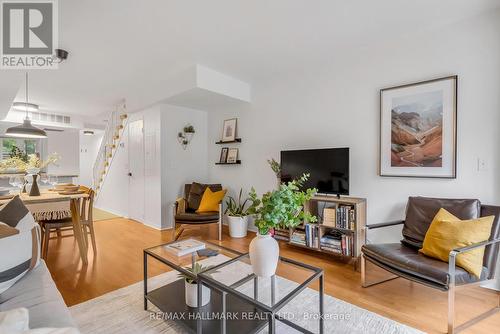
point(21, 146)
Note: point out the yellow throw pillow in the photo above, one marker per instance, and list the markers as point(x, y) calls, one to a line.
point(210, 200)
point(447, 232)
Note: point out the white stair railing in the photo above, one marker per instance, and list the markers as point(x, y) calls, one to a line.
point(109, 145)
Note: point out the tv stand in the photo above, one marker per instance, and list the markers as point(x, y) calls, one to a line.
point(355, 228)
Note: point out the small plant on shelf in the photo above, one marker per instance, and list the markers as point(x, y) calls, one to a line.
point(189, 129)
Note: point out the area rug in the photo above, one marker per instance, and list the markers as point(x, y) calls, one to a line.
point(121, 311)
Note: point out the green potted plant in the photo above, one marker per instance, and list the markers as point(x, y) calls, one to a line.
point(283, 208)
point(237, 216)
point(191, 287)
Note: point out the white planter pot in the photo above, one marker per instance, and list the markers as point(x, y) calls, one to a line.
point(264, 255)
point(238, 226)
point(192, 294)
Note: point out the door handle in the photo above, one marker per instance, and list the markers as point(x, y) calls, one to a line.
point(129, 174)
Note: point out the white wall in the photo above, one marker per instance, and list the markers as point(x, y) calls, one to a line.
point(67, 145)
point(89, 146)
point(337, 105)
point(181, 166)
point(167, 166)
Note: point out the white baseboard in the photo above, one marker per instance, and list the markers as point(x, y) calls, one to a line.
point(155, 227)
point(116, 213)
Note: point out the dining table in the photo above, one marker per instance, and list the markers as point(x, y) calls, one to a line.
point(52, 205)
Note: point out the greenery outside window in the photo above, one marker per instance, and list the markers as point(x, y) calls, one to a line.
point(21, 146)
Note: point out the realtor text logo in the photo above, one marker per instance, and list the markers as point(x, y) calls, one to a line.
point(29, 34)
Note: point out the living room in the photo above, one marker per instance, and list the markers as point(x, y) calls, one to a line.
point(176, 109)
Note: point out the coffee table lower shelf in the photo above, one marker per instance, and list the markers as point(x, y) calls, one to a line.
point(170, 300)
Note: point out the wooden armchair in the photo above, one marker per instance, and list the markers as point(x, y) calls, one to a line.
point(184, 211)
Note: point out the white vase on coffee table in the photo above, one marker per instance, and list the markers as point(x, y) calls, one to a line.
point(264, 255)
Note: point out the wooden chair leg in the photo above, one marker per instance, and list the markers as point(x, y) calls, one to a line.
point(219, 226)
point(178, 231)
point(92, 236)
point(46, 237)
point(85, 233)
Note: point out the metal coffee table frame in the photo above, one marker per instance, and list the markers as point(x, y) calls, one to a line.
point(147, 252)
point(271, 311)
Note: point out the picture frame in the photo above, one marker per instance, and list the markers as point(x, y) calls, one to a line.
point(223, 155)
point(229, 130)
point(418, 129)
point(232, 156)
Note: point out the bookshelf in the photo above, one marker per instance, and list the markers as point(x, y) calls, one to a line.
point(339, 232)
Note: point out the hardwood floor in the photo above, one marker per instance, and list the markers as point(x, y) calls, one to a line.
point(118, 263)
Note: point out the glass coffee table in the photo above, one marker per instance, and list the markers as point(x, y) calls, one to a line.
point(169, 298)
point(268, 296)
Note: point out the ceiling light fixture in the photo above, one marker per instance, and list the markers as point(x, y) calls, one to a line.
point(25, 130)
point(88, 132)
point(23, 106)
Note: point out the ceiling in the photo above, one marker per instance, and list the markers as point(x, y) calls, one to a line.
point(129, 48)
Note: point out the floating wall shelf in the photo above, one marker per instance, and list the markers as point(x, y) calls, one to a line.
point(237, 140)
point(238, 162)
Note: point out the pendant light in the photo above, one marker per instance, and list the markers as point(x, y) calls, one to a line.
point(25, 130)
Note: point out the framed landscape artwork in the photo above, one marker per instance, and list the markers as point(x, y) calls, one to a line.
point(418, 129)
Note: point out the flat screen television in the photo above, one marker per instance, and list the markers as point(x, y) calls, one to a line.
point(328, 169)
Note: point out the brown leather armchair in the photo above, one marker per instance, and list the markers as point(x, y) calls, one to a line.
point(404, 260)
point(185, 209)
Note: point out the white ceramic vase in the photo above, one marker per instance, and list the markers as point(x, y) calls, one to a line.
point(264, 255)
point(192, 294)
point(237, 226)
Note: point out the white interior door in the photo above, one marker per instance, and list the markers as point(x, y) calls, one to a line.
point(136, 170)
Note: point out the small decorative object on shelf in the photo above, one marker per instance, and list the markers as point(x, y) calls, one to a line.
point(192, 287)
point(237, 216)
point(283, 208)
point(232, 156)
point(229, 130)
point(185, 137)
point(223, 155)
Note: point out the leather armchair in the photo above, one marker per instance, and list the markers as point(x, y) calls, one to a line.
point(184, 210)
point(404, 260)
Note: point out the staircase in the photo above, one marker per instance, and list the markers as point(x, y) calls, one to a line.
point(109, 146)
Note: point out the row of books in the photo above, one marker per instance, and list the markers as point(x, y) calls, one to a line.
point(342, 216)
point(338, 243)
point(281, 234)
point(298, 237)
point(308, 237)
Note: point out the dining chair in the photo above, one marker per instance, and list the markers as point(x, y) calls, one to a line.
point(81, 208)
